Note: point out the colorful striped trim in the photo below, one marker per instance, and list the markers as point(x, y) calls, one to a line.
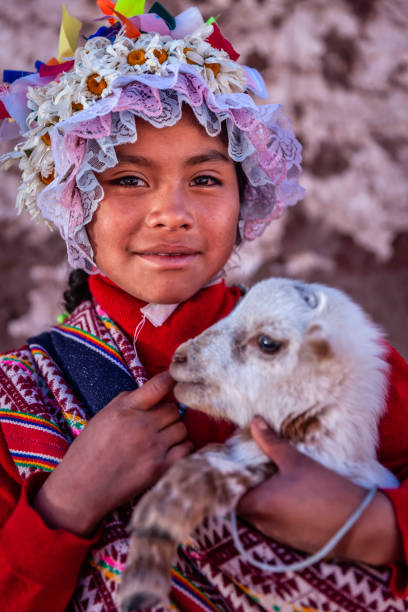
point(116, 566)
point(37, 350)
point(105, 318)
point(37, 460)
point(189, 589)
point(113, 570)
point(42, 446)
point(29, 420)
point(95, 343)
point(12, 359)
point(107, 570)
point(75, 422)
point(109, 323)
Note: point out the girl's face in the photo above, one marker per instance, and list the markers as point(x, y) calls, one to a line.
point(168, 221)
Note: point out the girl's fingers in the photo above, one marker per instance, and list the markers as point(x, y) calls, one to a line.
point(279, 450)
point(164, 415)
point(179, 451)
point(173, 434)
point(152, 392)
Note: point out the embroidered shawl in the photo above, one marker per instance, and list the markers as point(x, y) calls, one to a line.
point(54, 385)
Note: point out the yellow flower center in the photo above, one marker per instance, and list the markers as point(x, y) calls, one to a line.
point(161, 55)
point(136, 57)
point(185, 51)
point(96, 86)
point(214, 67)
point(47, 179)
point(46, 138)
point(77, 106)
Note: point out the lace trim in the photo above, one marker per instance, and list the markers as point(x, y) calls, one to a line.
point(260, 138)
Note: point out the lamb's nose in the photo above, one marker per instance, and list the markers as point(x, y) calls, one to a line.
point(179, 357)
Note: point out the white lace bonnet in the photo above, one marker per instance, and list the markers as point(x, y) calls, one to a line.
point(72, 115)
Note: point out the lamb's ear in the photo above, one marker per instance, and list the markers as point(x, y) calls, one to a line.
point(318, 342)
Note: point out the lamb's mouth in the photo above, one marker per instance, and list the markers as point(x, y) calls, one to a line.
point(181, 374)
point(186, 391)
point(189, 384)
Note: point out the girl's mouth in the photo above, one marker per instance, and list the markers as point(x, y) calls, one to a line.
point(163, 254)
point(168, 260)
point(169, 256)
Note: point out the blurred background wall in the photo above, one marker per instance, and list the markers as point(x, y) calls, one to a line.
point(340, 70)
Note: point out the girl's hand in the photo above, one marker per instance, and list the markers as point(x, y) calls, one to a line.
point(123, 450)
point(305, 503)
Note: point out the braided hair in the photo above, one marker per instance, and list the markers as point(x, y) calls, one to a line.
point(78, 290)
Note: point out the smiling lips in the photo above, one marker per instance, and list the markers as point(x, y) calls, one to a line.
point(169, 255)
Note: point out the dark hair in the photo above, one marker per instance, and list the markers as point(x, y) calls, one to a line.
point(242, 183)
point(78, 290)
point(241, 179)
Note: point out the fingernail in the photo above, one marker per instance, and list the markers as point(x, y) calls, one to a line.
point(261, 423)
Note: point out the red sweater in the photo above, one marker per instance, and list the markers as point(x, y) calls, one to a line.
point(32, 581)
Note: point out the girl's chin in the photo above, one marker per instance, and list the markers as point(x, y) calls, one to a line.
point(164, 296)
point(173, 291)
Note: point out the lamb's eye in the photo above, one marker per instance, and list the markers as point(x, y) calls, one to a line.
point(268, 345)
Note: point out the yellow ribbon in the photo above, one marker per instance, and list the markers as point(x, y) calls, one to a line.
point(69, 33)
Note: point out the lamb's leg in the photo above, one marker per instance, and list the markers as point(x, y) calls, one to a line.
point(209, 482)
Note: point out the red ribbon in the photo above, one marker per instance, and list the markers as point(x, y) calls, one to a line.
point(218, 41)
point(55, 70)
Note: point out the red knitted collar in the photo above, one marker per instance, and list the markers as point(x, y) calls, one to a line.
point(156, 345)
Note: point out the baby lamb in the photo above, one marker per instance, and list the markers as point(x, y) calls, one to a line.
point(309, 361)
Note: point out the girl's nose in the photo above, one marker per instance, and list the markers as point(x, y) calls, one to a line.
point(171, 209)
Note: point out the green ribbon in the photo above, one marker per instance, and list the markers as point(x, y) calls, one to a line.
point(130, 8)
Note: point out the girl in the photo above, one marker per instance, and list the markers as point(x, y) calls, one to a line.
point(149, 155)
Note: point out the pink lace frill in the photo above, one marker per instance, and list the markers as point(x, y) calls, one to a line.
point(260, 138)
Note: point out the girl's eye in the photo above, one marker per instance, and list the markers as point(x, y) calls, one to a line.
point(205, 181)
point(129, 181)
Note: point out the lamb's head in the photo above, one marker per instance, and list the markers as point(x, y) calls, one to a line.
point(287, 347)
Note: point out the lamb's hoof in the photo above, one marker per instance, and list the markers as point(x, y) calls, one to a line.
point(139, 601)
